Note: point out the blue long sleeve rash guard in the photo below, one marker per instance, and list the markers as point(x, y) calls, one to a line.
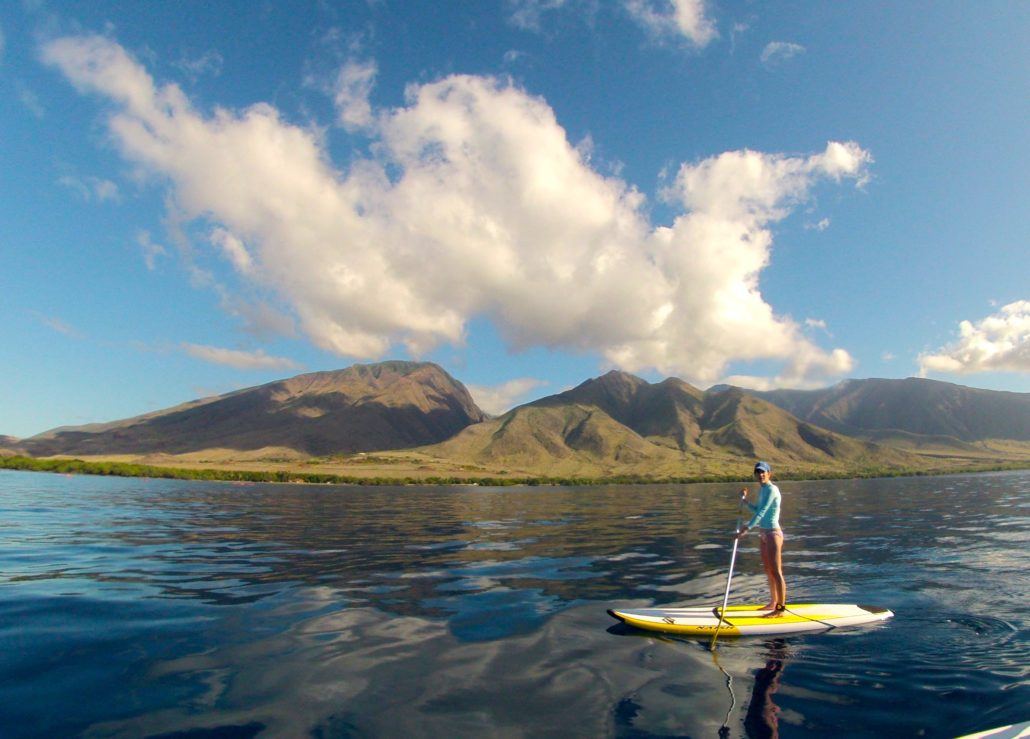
point(767, 511)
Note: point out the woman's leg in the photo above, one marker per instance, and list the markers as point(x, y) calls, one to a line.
point(768, 564)
point(776, 558)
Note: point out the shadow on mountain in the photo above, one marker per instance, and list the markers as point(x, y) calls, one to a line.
point(927, 408)
point(245, 427)
point(616, 424)
point(365, 408)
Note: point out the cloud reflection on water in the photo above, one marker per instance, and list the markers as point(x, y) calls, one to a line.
point(152, 607)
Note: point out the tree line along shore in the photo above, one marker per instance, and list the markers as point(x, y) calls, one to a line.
point(73, 466)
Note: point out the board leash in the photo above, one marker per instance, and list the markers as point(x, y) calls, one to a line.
point(809, 618)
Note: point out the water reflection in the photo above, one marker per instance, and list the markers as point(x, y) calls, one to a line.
point(150, 607)
point(762, 720)
point(405, 551)
point(750, 712)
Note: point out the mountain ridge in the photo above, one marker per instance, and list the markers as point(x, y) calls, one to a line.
point(912, 405)
point(609, 424)
point(614, 424)
point(387, 405)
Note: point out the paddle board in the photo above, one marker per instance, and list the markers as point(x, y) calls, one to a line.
point(1015, 731)
point(749, 620)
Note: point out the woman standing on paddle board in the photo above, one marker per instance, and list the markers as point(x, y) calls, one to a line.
point(767, 519)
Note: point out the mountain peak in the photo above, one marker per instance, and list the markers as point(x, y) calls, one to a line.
point(720, 388)
point(620, 377)
point(365, 407)
point(879, 407)
point(612, 387)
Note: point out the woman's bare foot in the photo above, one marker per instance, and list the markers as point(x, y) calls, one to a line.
point(777, 611)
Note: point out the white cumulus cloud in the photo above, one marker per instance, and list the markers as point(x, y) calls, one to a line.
point(30, 100)
point(257, 360)
point(779, 51)
point(353, 86)
point(151, 250)
point(475, 203)
point(234, 250)
point(259, 319)
point(686, 18)
point(527, 14)
point(497, 399)
point(998, 343)
point(194, 67)
point(57, 324)
point(91, 189)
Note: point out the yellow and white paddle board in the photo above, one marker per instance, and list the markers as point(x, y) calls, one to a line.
point(1015, 731)
point(750, 619)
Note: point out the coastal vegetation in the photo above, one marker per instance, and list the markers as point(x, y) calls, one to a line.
point(110, 468)
point(397, 423)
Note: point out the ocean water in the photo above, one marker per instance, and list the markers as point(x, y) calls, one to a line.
point(133, 608)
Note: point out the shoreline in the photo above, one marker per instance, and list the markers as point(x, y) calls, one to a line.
point(71, 465)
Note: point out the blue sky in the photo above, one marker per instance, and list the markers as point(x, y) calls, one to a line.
point(198, 197)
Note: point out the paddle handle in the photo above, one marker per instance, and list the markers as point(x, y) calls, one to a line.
point(726, 597)
point(729, 576)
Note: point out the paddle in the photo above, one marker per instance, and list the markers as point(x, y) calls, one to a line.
point(729, 576)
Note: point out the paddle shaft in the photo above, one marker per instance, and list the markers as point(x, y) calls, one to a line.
point(729, 576)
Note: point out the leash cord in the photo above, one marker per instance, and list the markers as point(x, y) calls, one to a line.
point(809, 618)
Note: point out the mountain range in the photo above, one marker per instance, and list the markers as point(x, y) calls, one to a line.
point(390, 405)
point(894, 408)
point(621, 424)
point(615, 424)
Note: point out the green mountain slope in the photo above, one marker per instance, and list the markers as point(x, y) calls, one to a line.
point(391, 405)
point(567, 438)
point(613, 425)
point(876, 408)
point(666, 413)
point(622, 424)
point(739, 422)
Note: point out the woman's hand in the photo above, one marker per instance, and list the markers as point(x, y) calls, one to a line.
point(740, 534)
point(743, 493)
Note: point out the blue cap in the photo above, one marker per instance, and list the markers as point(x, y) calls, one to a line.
point(763, 467)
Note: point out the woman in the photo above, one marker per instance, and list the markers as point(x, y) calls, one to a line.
point(767, 518)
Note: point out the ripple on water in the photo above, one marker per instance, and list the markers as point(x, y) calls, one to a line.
point(631, 555)
point(359, 611)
